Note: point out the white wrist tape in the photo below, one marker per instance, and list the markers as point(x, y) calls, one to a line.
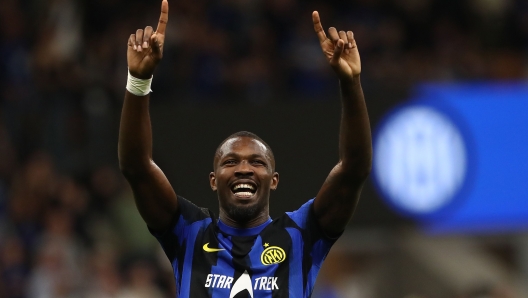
point(137, 86)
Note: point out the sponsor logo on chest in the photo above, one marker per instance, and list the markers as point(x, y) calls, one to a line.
point(271, 255)
point(225, 282)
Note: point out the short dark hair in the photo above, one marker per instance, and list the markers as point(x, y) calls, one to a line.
point(246, 134)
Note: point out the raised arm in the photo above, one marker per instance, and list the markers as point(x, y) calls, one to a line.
point(154, 196)
point(338, 197)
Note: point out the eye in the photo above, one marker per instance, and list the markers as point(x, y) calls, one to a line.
point(229, 162)
point(259, 162)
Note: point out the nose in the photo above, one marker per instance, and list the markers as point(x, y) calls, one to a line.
point(244, 169)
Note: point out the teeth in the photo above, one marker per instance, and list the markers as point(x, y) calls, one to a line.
point(244, 194)
point(249, 186)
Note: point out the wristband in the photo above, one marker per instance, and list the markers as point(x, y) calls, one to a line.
point(137, 86)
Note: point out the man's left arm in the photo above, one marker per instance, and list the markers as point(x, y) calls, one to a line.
point(338, 197)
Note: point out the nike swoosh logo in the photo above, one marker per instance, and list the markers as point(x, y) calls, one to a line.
point(208, 249)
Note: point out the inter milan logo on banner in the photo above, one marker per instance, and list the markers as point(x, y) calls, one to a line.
point(420, 160)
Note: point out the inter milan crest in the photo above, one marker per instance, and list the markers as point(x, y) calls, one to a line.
point(272, 255)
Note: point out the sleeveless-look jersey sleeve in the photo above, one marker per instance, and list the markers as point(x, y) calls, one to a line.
point(313, 236)
point(185, 223)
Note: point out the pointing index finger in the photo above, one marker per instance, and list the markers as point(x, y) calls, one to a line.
point(164, 17)
point(318, 27)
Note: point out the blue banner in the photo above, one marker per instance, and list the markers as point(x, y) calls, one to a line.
point(456, 157)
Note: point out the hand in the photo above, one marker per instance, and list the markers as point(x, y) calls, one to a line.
point(145, 48)
point(340, 50)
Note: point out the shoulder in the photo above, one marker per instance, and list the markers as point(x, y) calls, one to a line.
point(302, 215)
point(188, 214)
point(299, 219)
point(304, 219)
point(189, 211)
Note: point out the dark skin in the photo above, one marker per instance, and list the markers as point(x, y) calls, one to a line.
point(244, 159)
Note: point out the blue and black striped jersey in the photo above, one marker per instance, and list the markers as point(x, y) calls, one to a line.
point(280, 258)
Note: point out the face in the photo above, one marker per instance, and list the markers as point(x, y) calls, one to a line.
point(243, 178)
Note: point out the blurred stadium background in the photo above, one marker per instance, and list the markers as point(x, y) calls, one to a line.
point(68, 224)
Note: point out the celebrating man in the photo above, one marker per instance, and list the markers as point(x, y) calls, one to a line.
point(244, 253)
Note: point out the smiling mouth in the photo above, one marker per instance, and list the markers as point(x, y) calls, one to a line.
point(244, 190)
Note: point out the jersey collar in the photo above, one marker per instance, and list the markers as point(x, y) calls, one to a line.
point(242, 232)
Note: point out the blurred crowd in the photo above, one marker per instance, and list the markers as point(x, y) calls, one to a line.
point(66, 236)
point(68, 224)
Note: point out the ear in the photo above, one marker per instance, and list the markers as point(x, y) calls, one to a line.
point(274, 181)
point(212, 181)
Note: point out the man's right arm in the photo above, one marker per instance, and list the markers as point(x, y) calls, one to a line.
point(155, 198)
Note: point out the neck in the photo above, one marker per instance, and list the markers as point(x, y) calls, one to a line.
point(257, 220)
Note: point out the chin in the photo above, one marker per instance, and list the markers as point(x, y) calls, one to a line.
point(243, 213)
